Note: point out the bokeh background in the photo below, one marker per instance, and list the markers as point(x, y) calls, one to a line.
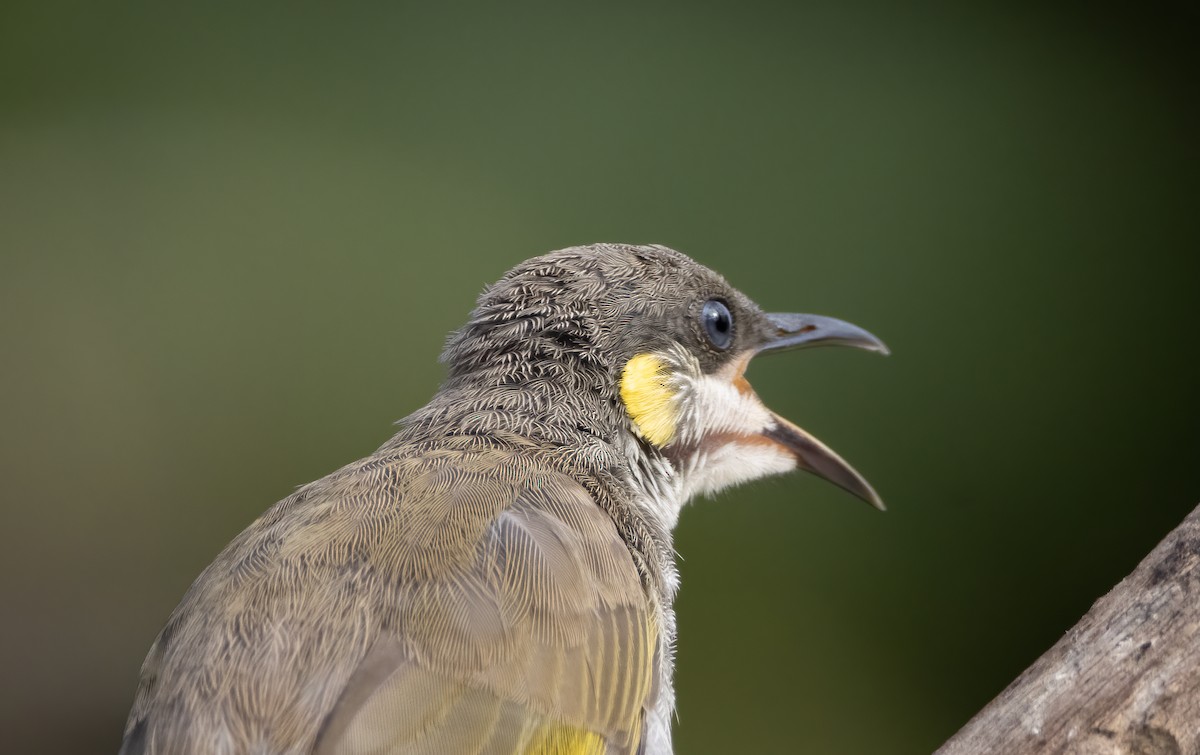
point(233, 239)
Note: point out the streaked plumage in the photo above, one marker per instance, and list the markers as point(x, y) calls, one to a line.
point(498, 577)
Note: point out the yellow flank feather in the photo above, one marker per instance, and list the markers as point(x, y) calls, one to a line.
point(647, 394)
point(567, 740)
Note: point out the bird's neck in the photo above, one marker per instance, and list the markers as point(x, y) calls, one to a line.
point(575, 429)
point(547, 414)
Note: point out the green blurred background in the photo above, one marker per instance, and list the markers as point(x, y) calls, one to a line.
point(233, 240)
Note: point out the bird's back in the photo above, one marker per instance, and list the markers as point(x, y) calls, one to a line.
point(451, 598)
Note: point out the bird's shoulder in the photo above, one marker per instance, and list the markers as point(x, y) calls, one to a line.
point(485, 569)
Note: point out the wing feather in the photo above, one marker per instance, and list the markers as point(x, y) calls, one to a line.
point(468, 602)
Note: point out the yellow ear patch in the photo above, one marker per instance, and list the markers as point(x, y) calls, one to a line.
point(647, 393)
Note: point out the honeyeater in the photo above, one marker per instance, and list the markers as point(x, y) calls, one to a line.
point(499, 576)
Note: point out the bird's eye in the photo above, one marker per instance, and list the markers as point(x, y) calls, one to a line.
point(718, 323)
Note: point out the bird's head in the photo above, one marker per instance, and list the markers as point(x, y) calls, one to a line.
point(664, 342)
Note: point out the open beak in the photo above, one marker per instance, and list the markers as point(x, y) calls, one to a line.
point(796, 331)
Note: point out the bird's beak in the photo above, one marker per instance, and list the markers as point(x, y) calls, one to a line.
point(796, 331)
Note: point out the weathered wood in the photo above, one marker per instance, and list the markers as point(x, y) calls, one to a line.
point(1124, 680)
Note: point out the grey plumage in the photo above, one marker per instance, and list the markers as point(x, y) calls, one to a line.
point(497, 577)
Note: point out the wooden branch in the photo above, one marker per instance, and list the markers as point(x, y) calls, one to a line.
point(1125, 680)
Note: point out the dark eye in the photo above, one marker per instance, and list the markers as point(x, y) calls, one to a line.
point(718, 323)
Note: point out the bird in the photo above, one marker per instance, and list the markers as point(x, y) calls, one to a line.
point(499, 576)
